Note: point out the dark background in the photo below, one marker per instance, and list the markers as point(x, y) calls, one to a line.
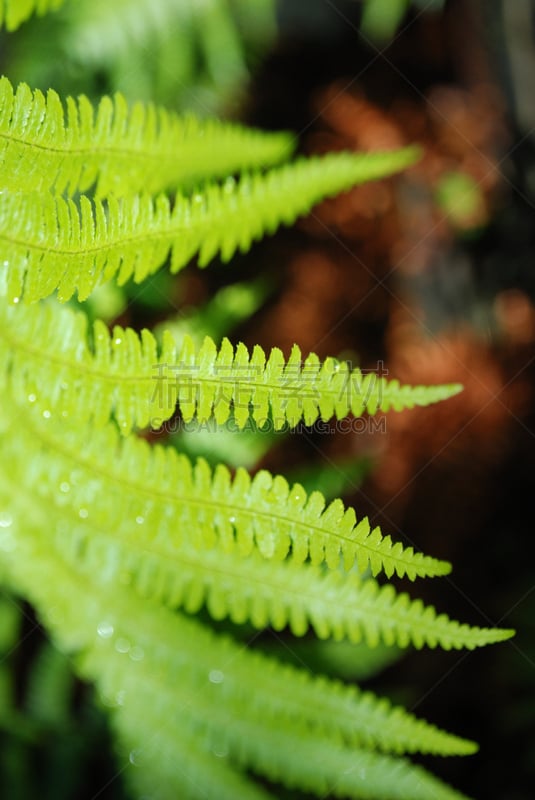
point(455, 302)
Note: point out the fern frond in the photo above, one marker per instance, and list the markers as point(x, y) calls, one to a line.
point(182, 679)
point(169, 762)
point(123, 149)
point(265, 594)
point(318, 764)
point(177, 572)
point(182, 504)
point(14, 12)
point(183, 537)
point(46, 351)
point(51, 243)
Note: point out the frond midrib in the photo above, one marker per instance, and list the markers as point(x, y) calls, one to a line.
point(105, 150)
point(107, 245)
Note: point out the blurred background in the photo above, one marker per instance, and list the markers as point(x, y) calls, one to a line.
point(429, 275)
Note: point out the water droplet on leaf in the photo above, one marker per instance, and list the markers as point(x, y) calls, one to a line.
point(137, 653)
point(105, 630)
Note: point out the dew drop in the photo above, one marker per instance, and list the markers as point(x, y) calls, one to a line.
point(64, 487)
point(216, 676)
point(16, 300)
point(47, 414)
point(232, 520)
point(140, 520)
point(83, 513)
point(6, 520)
point(105, 630)
point(134, 756)
point(122, 645)
point(137, 653)
point(220, 750)
point(297, 494)
point(118, 340)
point(32, 398)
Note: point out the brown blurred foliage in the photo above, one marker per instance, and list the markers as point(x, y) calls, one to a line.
point(353, 293)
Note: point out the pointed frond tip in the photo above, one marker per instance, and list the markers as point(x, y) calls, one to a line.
point(46, 350)
point(14, 12)
point(124, 149)
point(52, 244)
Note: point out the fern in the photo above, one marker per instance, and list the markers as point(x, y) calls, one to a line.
point(118, 542)
point(162, 490)
point(55, 245)
point(123, 149)
point(50, 361)
point(137, 651)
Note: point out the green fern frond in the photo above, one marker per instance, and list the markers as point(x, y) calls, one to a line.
point(281, 691)
point(51, 243)
point(46, 351)
point(233, 699)
point(226, 699)
point(116, 540)
point(182, 504)
point(14, 12)
point(137, 530)
point(265, 594)
point(149, 498)
point(316, 763)
point(123, 149)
